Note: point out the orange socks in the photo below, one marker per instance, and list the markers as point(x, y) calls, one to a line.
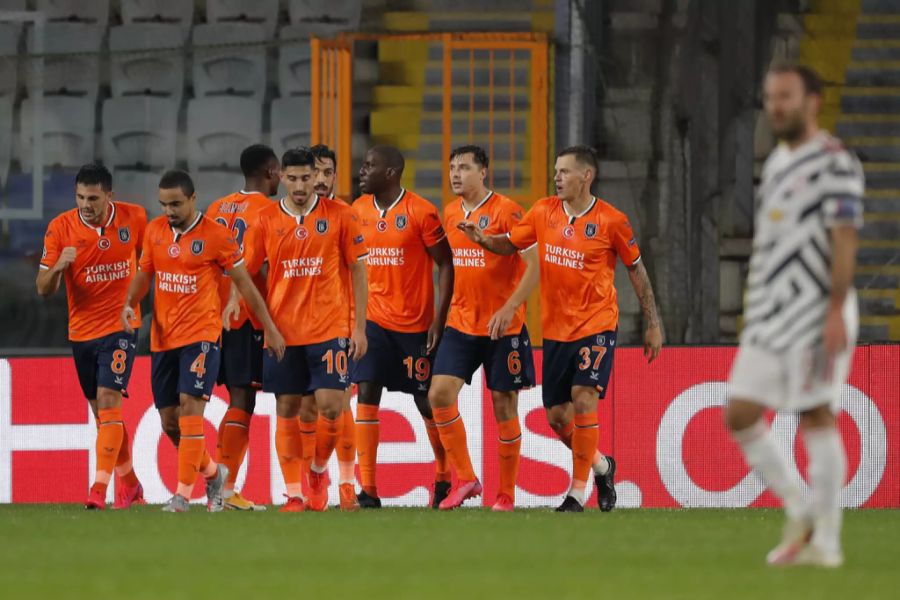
point(367, 431)
point(124, 468)
point(452, 437)
point(110, 433)
point(234, 437)
point(307, 452)
point(190, 453)
point(346, 447)
point(327, 431)
point(584, 447)
point(508, 451)
point(565, 436)
point(289, 445)
point(441, 461)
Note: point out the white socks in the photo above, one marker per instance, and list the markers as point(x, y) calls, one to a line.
point(764, 456)
point(827, 471)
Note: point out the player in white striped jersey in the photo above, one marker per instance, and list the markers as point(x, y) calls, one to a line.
point(801, 317)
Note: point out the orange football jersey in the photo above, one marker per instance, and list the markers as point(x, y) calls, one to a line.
point(308, 257)
point(105, 263)
point(399, 268)
point(578, 264)
point(240, 212)
point(483, 281)
point(187, 267)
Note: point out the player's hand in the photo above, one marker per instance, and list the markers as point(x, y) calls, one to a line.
point(499, 323)
point(652, 342)
point(834, 338)
point(231, 312)
point(128, 315)
point(472, 232)
point(66, 258)
point(275, 343)
point(359, 344)
point(434, 336)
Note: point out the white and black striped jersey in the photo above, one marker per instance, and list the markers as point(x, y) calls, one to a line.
point(803, 193)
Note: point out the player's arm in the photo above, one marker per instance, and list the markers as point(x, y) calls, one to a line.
point(443, 257)
point(359, 345)
point(499, 323)
point(844, 245)
point(643, 289)
point(241, 280)
point(498, 244)
point(48, 280)
point(138, 288)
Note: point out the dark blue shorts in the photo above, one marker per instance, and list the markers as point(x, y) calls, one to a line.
point(242, 352)
point(105, 362)
point(508, 362)
point(305, 369)
point(395, 361)
point(190, 370)
point(586, 362)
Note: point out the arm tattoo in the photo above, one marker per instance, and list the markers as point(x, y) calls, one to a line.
point(640, 280)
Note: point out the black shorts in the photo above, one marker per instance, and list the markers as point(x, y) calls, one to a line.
point(242, 357)
point(305, 369)
point(397, 361)
point(508, 362)
point(190, 370)
point(105, 362)
point(587, 362)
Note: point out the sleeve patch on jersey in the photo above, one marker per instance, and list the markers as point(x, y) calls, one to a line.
point(358, 239)
point(843, 210)
point(632, 242)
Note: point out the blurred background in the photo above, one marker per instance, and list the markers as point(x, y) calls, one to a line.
point(668, 91)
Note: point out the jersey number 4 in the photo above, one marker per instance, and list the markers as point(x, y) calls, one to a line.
point(198, 367)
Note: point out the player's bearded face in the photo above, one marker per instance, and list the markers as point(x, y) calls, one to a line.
point(465, 174)
point(177, 206)
point(325, 174)
point(788, 106)
point(300, 183)
point(92, 202)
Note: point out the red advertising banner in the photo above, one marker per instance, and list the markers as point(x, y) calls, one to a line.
point(662, 422)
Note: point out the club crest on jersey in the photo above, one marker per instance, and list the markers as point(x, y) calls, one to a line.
point(514, 343)
point(124, 235)
point(301, 233)
point(174, 251)
point(103, 243)
point(44, 253)
point(197, 247)
point(590, 230)
point(204, 347)
point(381, 226)
point(342, 342)
point(601, 340)
point(400, 222)
point(321, 226)
point(123, 344)
point(568, 232)
point(483, 222)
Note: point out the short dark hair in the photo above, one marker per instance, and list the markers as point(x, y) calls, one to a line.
point(585, 155)
point(392, 156)
point(177, 179)
point(255, 158)
point(298, 157)
point(812, 81)
point(321, 152)
point(94, 174)
point(479, 156)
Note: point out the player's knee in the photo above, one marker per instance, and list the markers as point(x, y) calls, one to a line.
point(440, 395)
point(423, 406)
point(308, 410)
point(558, 420)
point(505, 405)
point(740, 416)
point(817, 418)
point(368, 394)
point(331, 411)
point(107, 398)
point(243, 399)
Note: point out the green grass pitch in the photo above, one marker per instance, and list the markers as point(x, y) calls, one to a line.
point(62, 551)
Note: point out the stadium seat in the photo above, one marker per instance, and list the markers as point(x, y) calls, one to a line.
point(6, 129)
point(139, 131)
point(73, 62)
point(9, 50)
point(68, 132)
point(212, 185)
point(294, 65)
point(138, 187)
point(263, 12)
point(219, 129)
point(151, 72)
point(87, 11)
point(344, 14)
point(178, 12)
point(289, 123)
point(237, 70)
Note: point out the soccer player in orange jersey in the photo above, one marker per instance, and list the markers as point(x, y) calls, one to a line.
point(323, 184)
point(312, 246)
point(94, 247)
point(405, 240)
point(242, 340)
point(486, 327)
point(186, 254)
point(579, 238)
